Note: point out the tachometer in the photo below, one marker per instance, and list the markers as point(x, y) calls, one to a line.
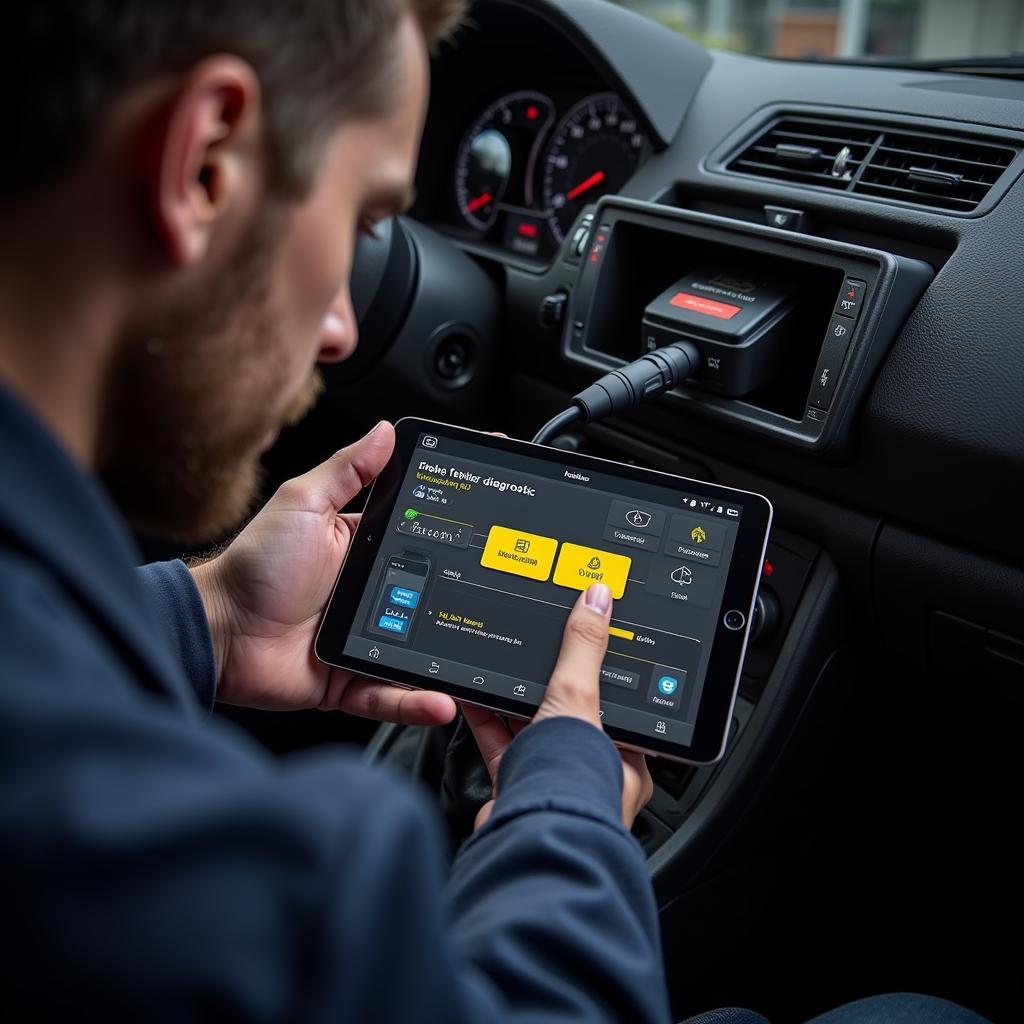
point(594, 150)
point(497, 156)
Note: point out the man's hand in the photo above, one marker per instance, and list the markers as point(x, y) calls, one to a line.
point(265, 592)
point(574, 690)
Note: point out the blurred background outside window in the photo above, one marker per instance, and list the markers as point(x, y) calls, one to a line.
point(897, 29)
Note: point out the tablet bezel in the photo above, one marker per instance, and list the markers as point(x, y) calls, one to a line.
point(728, 647)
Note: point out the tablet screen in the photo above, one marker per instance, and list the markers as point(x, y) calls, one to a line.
point(482, 552)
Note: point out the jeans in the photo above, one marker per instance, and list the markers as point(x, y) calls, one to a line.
point(898, 1008)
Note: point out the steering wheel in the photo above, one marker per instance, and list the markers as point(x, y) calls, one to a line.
point(428, 323)
point(428, 320)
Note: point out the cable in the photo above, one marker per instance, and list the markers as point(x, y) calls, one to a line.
point(625, 388)
point(564, 419)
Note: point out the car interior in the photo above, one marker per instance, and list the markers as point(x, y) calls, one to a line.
point(579, 159)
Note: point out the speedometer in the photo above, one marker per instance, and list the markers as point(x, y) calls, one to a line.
point(594, 150)
point(495, 163)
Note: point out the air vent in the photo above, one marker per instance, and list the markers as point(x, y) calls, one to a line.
point(826, 153)
point(932, 170)
point(938, 171)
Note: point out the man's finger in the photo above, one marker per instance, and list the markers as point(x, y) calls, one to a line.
point(491, 735)
point(483, 814)
point(637, 785)
point(337, 481)
point(575, 683)
point(383, 702)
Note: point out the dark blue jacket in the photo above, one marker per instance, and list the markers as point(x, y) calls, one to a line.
point(157, 864)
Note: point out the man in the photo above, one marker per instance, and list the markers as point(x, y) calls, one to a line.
point(180, 198)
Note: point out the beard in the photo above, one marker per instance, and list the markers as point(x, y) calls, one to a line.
point(194, 397)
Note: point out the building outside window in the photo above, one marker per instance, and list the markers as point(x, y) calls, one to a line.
point(894, 29)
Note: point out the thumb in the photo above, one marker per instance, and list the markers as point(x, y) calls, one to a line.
point(337, 481)
point(575, 684)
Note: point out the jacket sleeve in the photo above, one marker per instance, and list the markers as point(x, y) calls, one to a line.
point(169, 869)
point(175, 597)
point(553, 905)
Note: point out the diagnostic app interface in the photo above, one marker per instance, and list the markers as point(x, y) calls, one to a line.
point(485, 552)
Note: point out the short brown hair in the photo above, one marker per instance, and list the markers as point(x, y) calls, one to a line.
point(66, 62)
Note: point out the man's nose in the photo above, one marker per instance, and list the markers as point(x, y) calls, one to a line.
point(339, 333)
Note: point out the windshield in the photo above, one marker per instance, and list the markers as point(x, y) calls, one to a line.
point(898, 30)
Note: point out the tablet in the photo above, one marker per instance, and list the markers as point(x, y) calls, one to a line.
point(473, 548)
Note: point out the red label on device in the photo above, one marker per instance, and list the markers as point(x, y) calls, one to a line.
point(698, 304)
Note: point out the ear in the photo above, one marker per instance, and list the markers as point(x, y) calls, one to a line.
point(207, 161)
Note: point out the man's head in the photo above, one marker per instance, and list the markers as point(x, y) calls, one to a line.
point(221, 155)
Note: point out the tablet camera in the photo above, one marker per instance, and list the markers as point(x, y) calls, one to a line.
point(735, 620)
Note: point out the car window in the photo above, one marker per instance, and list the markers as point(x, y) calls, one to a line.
point(804, 29)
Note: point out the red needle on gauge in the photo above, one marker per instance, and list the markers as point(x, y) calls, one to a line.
point(474, 204)
point(595, 179)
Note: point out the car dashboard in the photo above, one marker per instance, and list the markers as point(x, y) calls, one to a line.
point(732, 186)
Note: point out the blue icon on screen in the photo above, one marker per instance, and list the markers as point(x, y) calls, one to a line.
point(668, 685)
point(404, 597)
point(392, 624)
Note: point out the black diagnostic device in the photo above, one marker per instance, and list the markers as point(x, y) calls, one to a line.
point(736, 319)
point(472, 549)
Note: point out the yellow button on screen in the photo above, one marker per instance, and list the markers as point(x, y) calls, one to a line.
point(523, 554)
point(578, 567)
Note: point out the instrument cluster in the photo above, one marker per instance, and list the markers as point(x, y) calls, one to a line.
point(524, 168)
